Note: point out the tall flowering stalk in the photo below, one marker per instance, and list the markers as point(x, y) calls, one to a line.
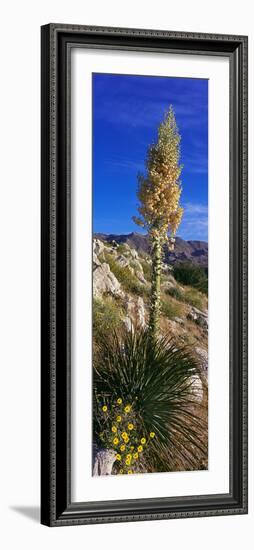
point(159, 194)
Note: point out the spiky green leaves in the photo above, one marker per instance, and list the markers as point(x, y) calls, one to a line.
point(157, 380)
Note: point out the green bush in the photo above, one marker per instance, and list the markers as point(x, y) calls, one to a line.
point(191, 275)
point(190, 296)
point(121, 249)
point(107, 315)
point(155, 381)
point(194, 298)
point(175, 293)
point(147, 269)
point(127, 279)
point(170, 308)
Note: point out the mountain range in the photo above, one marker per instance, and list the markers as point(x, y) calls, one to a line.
point(191, 251)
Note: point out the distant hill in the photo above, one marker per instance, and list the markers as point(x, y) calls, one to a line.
point(193, 251)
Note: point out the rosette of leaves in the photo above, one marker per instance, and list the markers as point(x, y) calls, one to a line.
point(156, 379)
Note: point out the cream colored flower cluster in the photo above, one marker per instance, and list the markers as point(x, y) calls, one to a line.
point(160, 190)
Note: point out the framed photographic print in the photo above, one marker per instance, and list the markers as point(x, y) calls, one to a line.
point(144, 275)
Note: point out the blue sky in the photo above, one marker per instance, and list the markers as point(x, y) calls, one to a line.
point(127, 111)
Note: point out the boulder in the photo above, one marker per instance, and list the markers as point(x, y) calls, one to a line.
point(98, 246)
point(167, 286)
point(136, 267)
point(133, 253)
point(128, 323)
point(198, 317)
point(135, 312)
point(123, 261)
point(140, 276)
point(105, 282)
point(138, 270)
point(103, 461)
point(179, 320)
point(166, 268)
point(203, 359)
point(197, 388)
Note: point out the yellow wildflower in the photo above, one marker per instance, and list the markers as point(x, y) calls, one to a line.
point(129, 472)
point(104, 408)
point(132, 447)
point(118, 457)
point(126, 439)
point(129, 456)
point(143, 440)
point(118, 418)
point(127, 462)
point(130, 426)
point(116, 441)
point(152, 434)
point(114, 429)
point(121, 471)
point(140, 448)
point(122, 448)
point(135, 455)
point(127, 408)
point(124, 435)
point(119, 401)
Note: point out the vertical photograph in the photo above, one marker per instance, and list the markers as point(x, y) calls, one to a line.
point(150, 274)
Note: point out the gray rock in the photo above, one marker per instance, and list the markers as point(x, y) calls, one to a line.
point(105, 282)
point(133, 253)
point(169, 284)
point(103, 461)
point(98, 247)
point(203, 358)
point(197, 388)
point(138, 270)
point(198, 317)
point(123, 261)
point(166, 268)
point(96, 261)
point(179, 320)
point(135, 312)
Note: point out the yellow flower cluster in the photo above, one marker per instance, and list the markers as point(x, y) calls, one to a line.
point(122, 435)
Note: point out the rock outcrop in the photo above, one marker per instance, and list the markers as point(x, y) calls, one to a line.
point(134, 304)
point(203, 359)
point(135, 312)
point(194, 251)
point(199, 317)
point(197, 388)
point(105, 282)
point(103, 461)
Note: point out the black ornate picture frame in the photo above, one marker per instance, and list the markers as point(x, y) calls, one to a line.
point(56, 506)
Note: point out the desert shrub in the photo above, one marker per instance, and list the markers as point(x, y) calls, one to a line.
point(108, 244)
point(121, 249)
point(107, 315)
point(190, 296)
point(189, 274)
point(147, 269)
point(170, 308)
point(176, 293)
point(127, 279)
point(142, 395)
point(194, 298)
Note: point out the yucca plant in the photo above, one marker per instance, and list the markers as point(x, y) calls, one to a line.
point(156, 380)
